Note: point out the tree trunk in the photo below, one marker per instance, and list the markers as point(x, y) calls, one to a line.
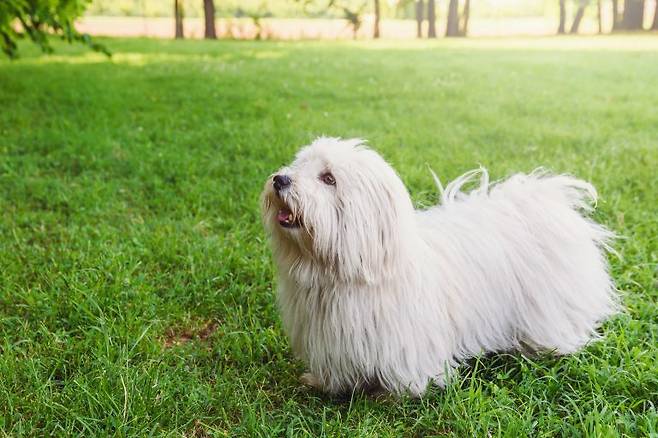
point(579, 17)
point(209, 13)
point(375, 33)
point(452, 28)
point(615, 15)
point(633, 15)
point(431, 19)
point(563, 18)
point(178, 17)
point(598, 15)
point(419, 18)
point(654, 25)
point(465, 16)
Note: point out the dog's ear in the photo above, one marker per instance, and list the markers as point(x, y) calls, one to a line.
point(373, 221)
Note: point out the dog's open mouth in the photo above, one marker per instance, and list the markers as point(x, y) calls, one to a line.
point(287, 219)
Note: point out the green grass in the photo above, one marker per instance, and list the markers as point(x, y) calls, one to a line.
point(136, 285)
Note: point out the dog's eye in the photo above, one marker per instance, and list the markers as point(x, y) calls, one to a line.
point(328, 179)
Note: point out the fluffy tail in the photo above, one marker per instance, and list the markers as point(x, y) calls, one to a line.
point(577, 193)
point(540, 183)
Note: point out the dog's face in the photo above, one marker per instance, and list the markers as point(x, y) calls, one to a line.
point(339, 206)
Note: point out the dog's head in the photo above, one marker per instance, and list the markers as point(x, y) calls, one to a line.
point(338, 207)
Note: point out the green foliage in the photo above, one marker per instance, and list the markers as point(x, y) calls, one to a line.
point(353, 14)
point(38, 19)
point(136, 285)
point(256, 15)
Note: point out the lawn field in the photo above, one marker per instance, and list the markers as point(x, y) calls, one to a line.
point(137, 290)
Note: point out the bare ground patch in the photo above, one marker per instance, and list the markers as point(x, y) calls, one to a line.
point(181, 335)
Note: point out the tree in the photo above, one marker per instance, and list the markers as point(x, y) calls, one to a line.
point(563, 18)
point(375, 33)
point(354, 18)
point(256, 14)
point(431, 19)
point(452, 27)
point(582, 4)
point(38, 19)
point(615, 15)
point(419, 18)
point(465, 17)
point(178, 17)
point(654, 25)
point(633, 15)
point(599, 16)
point(209, 14)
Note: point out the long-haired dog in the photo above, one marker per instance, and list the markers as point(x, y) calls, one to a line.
point(375, 293)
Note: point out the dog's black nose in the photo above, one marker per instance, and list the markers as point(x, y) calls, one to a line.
point(280, 182)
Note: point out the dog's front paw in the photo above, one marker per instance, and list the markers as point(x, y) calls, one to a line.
point(310, 380)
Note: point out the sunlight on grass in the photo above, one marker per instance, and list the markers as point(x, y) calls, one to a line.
point(568, 43)
point(79, 58)
point(267, 55)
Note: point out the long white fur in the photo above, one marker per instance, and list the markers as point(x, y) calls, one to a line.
point(373, 292)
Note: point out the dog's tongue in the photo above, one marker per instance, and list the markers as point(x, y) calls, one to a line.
point(282, 215)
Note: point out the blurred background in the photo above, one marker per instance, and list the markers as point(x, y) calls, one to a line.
point(337, 19)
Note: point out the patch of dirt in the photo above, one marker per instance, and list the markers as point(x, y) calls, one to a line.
point(176, 336)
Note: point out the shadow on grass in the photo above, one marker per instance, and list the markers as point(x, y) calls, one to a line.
point(505, 368)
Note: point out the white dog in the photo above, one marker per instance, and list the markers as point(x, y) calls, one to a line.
point(374, 293)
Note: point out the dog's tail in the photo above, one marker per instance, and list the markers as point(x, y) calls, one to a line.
point(564, 189)
point(453, 190)
point(580, 194)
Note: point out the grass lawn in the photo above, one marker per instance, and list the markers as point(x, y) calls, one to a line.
point(136, 284)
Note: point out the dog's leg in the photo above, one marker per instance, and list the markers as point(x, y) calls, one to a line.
point(310, 380)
